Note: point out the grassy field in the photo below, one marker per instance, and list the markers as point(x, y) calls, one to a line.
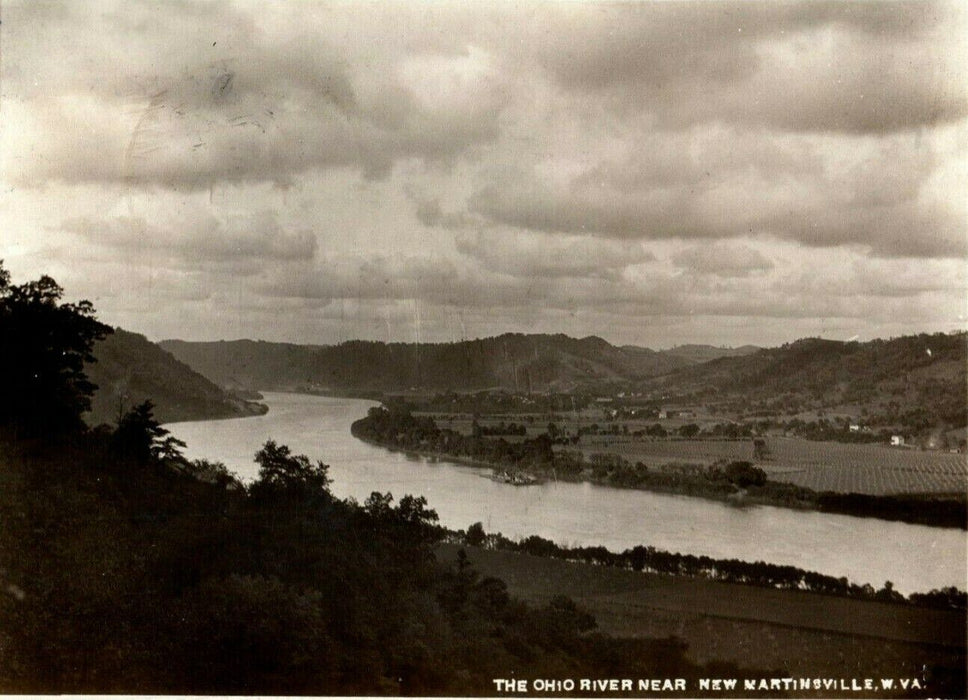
point(799, 633)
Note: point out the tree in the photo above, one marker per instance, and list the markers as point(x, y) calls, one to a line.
point(689, 431)
point(888, 593)
point(744, 474)
point(379, 506)
point(760, 449)
point(419, 520)
point(475, 535)
point(140, 436)
point(282, 471)
point(43, 347)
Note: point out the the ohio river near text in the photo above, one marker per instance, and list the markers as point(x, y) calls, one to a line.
point(913, 557)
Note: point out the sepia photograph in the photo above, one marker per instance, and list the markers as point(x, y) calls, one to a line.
point(501, 348)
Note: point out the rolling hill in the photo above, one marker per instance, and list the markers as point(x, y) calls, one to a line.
point(130, 369)
point(918, 381)
point(514, 362)
point(705, 353)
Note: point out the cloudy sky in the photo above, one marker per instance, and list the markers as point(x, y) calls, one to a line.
point(653, 173)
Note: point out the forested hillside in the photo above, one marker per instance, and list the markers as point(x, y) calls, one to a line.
point(128, 369)
point(513, 362)
point(915, 384)
point(915, 381)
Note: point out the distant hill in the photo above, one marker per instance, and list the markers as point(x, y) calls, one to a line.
point(130, 369)
point(514, 362)
point(705, 353)
point(915, 380)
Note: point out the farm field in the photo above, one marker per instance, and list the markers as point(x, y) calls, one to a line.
point(823, 466)
point(873, 469)
point(797, 632)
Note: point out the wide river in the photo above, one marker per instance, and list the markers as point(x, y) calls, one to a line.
point(913, 557)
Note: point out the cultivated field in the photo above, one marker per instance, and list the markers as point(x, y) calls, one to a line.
point(822, 466)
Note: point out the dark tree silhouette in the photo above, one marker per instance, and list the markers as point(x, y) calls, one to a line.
point(140, 437)
point(43, 347)
point(476, 535)
point(280, 472)
point(744, 474)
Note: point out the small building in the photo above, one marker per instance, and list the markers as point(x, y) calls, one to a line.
point(854, 428)
point(897, 440)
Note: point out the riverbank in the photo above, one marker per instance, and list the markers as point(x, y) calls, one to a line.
point(933, 510)
point(246, 408)
point(736, 483)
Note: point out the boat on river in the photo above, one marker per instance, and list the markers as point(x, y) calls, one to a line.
point(515, 478)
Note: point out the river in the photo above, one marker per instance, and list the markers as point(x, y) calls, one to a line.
point(865, 550)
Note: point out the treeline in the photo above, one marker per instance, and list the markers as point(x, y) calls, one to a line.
point(650, 559)
point(742, 482)
point(401, 429)
point(126, 568)
point(735, 481)
point(909, 508)
point(820, 430)
point(491, 402)
point(502, 428)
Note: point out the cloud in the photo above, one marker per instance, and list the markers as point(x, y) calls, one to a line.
point(732, 280)
point(848, 67)
point(195, 238)
point(722, 260)
point(243, 167)
point(232, 100)
point(539, 255)
point(430, 213)
point(720, 183)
